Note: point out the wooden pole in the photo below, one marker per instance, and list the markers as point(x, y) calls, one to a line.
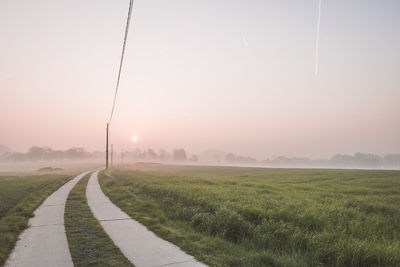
point(107, 148)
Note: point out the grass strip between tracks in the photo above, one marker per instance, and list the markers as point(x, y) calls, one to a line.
point(88, 243)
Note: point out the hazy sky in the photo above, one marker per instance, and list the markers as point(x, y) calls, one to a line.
point(229, 75)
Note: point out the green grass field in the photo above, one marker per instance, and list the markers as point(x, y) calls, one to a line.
point(267, 217)
point(88, 243)
point(19, 197)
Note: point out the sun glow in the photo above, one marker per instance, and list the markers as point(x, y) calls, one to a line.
point(134, 138)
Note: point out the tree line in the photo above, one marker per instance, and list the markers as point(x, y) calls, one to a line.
point(37, 153)
point(357, 160)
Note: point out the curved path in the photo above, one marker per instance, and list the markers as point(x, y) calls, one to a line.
point(141, 246)
point(44, 243)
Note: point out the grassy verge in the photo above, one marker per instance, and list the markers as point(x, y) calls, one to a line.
point(19, 197)
point(88, 243)
point(13, 188)
point(267, 217)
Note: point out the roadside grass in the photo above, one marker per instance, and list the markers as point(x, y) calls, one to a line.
point(19, 198)
point(13, 188)
point(88, 243)
point(266, 217)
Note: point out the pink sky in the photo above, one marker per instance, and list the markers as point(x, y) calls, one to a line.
point(236, 76)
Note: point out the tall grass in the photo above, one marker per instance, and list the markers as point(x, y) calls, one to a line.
point(319, 217)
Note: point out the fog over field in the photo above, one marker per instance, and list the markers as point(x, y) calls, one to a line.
point(48, 159)
point(232, 76)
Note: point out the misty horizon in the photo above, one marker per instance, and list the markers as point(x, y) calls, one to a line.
point(4, 148)
point(228, 76)
point(47, 155)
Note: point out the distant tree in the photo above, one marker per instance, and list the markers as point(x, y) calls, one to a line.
point(39, 153)
point(392, 160)
point(76, 153)
point(230, 158)
point(162, 154)
point(97, 154)
point(266, 161)
point(18, 157)
point(58, 154)
point(342, 160)
point(213, 156)
point(140, 155)
point(194, 158)
point(246, 160)
point(321, 163)
point(4, 152)
point(168, 156)
point(3, 149)
point(151, 154)
point(137, 154)
point(367, 160)
point(179, 155)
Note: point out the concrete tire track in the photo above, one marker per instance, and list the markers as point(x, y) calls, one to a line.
point(139, 245)
point(44, 243)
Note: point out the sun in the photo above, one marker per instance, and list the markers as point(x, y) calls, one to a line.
point(134, 138)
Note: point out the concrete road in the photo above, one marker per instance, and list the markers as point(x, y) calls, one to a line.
point(141, 246)
point(44, 243)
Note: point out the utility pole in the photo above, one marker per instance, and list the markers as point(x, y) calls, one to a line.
point(112, 154)
point(107, 148)
point(122, 157)
point(119, 76)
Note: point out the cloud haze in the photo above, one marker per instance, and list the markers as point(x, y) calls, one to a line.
point(189, 81)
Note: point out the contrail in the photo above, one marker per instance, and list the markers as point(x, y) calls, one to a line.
point(246, 44)
point(317, 37)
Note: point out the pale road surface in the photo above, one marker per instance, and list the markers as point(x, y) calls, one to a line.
point(44, 243)
point(141, 246)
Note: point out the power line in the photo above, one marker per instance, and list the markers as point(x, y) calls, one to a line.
point(122, 57)
point(128, 20)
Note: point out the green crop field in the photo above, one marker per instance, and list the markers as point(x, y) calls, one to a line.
point(19, 197)
point(266, 217)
